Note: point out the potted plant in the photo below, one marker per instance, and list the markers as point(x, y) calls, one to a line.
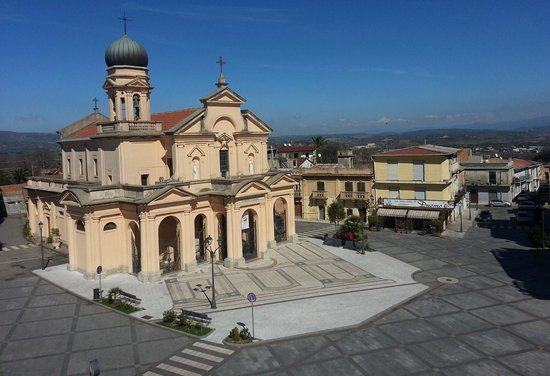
point(56, 238)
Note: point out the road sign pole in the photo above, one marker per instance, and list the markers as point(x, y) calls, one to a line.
point(252, 305)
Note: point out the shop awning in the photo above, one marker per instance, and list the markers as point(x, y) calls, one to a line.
point(423, 214)
point(388, 212)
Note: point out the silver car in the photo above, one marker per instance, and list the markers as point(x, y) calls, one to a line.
point(498, 202)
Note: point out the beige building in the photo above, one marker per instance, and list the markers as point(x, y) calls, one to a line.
point(143, 193)
point(417, 184)
point(325, 183)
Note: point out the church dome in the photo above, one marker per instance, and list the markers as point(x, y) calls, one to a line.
point(125, 51)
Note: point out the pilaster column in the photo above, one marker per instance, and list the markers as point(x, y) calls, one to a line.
point(31, 215)
point(187, 242)
point(291, 219)
point(71, 244)
point(40, 215)
point(150, 269)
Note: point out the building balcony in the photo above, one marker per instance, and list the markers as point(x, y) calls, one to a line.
point(319, 195)
point(359, 196)
point(128, 126)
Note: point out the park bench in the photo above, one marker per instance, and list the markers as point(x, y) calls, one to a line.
point(200, 319)
point(131, 298)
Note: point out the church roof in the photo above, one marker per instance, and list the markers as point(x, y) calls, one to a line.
point(168, 120)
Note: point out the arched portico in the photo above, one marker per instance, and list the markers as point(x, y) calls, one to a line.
point(169, 233)
point(249, 234)
point(280, 221)
point(200, 237)
point(222, 236)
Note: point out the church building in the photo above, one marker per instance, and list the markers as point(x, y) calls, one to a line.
point(150, 193)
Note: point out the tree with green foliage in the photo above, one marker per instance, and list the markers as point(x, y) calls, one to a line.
point(336, 213)
point(318, 141)
point(329, 152)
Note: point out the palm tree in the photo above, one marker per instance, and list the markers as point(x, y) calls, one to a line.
point(318, 141)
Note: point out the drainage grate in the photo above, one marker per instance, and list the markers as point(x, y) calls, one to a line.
point(147, 317)
point(447, 280)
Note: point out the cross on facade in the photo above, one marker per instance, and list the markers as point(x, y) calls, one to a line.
point(221, 63)
point(95, 103)
point(124, 20)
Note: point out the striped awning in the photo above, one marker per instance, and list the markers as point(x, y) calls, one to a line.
point(423, 214)
point(388, 212)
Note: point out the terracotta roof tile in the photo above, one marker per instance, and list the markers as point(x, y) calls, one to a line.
point(171, 118)
point(12, 188)
point(168, 120)
point(520, 164)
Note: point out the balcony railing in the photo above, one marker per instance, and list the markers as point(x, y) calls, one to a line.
point(129, 126)
point(319, 195)
point(349, 195)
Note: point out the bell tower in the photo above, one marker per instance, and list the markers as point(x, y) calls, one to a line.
point(127, 83)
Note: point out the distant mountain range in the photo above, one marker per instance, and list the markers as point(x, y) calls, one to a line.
point(18, 142)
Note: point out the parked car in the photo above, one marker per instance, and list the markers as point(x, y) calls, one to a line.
point(524, 216)
point(527, 205)
point(499, 202)
point(485, 216)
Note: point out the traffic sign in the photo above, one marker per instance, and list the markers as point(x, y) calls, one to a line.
point(251, 297)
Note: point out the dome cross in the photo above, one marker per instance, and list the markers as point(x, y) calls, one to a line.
point(124, 20)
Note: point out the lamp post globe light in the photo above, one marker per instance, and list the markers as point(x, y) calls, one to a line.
point(41, 225)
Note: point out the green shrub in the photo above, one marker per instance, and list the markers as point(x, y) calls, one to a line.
point(114, 295)
point(49, 239)
point(353, 225)
point(183, 320)
point(245, 335)
point(234, 334)
point(55, 232)
point(437, 224)
point(168, 316)
point(26, 230)
point(373, 220)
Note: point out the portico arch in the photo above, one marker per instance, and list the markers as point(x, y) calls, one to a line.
point(169, 233)
point(249, 234)
point(200, 237)
point(222, 236)
point(280, 223)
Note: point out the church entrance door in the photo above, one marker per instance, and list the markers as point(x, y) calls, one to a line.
point(169, 239)
point(248, 234)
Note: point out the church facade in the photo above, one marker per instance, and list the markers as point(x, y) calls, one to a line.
point(152, 194)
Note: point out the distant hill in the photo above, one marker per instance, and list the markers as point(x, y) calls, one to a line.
point(17, 142)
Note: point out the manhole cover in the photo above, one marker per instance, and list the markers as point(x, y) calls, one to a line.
point(447, 280)
point(147, 317)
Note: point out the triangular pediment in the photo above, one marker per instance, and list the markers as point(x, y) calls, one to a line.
point(108, 83)
point(255, 124)
point(253, 189)
point(171, 196)
point(69, 198)
point(282, 181)
point(196, 152)
point(224, 96)
point(138, 82)
point(251, 149)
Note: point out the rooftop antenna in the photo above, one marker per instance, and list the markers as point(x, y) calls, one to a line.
point(124, 20)
point(95, 104)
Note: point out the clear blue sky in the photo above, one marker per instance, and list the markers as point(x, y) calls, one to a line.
point(305, 67)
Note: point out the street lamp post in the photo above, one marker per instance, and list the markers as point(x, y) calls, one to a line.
point(212, 254)
point(40, 225)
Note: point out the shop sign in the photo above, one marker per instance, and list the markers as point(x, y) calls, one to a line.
point(429, 204)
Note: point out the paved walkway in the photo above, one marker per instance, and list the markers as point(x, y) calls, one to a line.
point(47, 331)
point(495, 321)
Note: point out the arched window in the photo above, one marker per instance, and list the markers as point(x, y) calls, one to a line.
point(136, 104)
point(109, 226)
point(123, 109)
point(80, 225)
point(224, 162)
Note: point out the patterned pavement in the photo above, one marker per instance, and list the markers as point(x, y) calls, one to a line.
point(296, 271)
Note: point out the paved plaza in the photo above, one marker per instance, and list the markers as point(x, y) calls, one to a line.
point(494, 321)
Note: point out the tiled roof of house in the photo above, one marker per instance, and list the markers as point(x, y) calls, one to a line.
point(168, 120)
point(12, 189)
point(520, 164)
point(419, 150)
